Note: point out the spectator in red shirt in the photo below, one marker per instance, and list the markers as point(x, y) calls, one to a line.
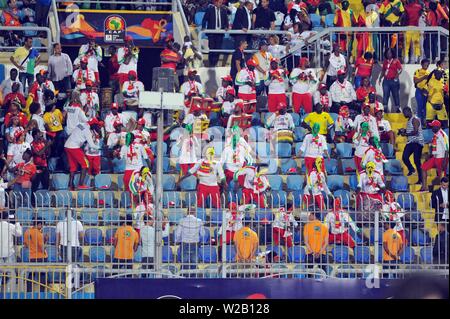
point(434, 18)
point(413, 10)
point(14, 110)
point(170, 57)
point(390, 76)
point(14, 95)
point(24, 172)
point(113, 67)
point(363, 67)
point(362, 93)
point(40, 150)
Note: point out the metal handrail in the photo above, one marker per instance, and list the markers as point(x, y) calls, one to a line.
point(119, 2)
point(37, 29)
point(58, 27)
point(177, 6)
point(249, 32)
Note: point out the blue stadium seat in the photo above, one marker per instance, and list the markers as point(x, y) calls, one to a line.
point(340, 254)
point(261, 214)
point(297, 148)
point(198, 18)
point(262, 149)
point(399, 184)
point(407, 201)
point(87, 180)
point(109, 235)
point(167, 254)
point(218, 147)
point(120, 185)
point(106, 199)
point(277, 199)
point(60, 181)
point(52, 254)
point(272, 168)
point(428, 135)
point(353, 181)
point(201, 213)
point(275, 182)
point(63, 198)
point(420, 237)
point(388, 150)
point(297, 237)
point(85, 198)
point(137, 258)
point(51, 233)
point(394, 167)
point(295, 182)
point(168, 182)
point(287, 165)
point(190, 198)
point(97, 254)
point(408, 256)
point(258, 134)
point(335, 182)
point(176, 133)
point(24, 215)
point(105, 165)
point(171, 197)
point(296, 254)
point(174, 150)
point(299, 134)
point(216, 216)
point(89, 216)
point(296, 119)
point(110, 216)
point(189, 184)
point(329, 20)
point(276, 249)
point(348, 166)
point(344, 150)
point(372, 236)
point(217, 131)
point(102, 181)
point(93, 236)
point(207, 254)
point(297, 197)
point(362, 254)
point(118, 166)
point(334, 116)
point(153, 147)
point(315, 20)
point(43, 198)
point(266, 116)
point(25, 255)
point(125, 200)
point(426, 255)
point(416, 216)
point(345, 196)
point(331, 166)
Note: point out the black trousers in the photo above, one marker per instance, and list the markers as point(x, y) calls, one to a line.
point(322, 260)
point(215, 43)
point(416, 149)
point(238, 38)
point(39, 277)
point(43, 177)
point(123, 264)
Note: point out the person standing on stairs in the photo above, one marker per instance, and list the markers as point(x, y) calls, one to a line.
point(215, 18)
point(414, 144)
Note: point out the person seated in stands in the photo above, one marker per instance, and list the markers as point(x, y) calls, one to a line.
point(112, 117)
point(435, 107)
point(141, 187)
point(316, 184)
point(315, 234)
point(368, 118)
point(319, 116)
point(282, 124)
point(247, 80)
point(74, 113)
point(363, 91)
point(14, 94)
point(370, 186)
point(338, 221)
point(375, 155)
point(10, 131)
point(190, 149)
point(283, 227)
point(209, 173)
point(276, 82)
point(323, 97)
point(82, 75)
point(342, 93)
point(117, 138)
point(361, 143)
point(83, 133)
point(392, 211)
point(384, 127)
point(12, 15)
point(90, 101)
point(14, 155)
point(131, 90)
point(228, 104)
point(344, 127)
point(235, 154)
point(303, 82)
point(227, 83)
point(314, 146)
point(192, 85)
point(438, 157)
point(93, 155)
point(254, 184)
point(363, 70)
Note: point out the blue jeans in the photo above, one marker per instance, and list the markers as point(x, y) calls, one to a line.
point(391, 87)
point(26, 78)
point(358, 80)
point(189, 254)
point(421, 105)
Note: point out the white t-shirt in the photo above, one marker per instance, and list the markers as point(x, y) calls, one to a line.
point(135, 160)
point(7, 233)
point(17, 150)
point(187, 86)
point(75, 228)
point(373, 127)
point(383, 126)
point(441, 144)
point(116, 139)
point(94, 151)
point(231, 162)
point(371, 185)
point(132, 89)
point(87, 74)
point(75, 116)
point(125, 68)
point(80, 135)
point(369, 156)
point(283, 220)
point(93, 59)
point(361, 144)
point(339, 226)
point(299, 85)
point(208, 173)
point(228, 107)
point(277, 86)
point(336, 63)
point(190, 149)
point(281, 122)
point(278, 51)
point(312, 147)
point(244, 76)
point(110, 119)
point(316, 184)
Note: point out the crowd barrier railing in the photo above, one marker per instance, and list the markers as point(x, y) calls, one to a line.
point(15, 30)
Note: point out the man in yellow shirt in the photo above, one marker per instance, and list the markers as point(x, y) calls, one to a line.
point(435, 101)
point(246, 242)
point(420, 82)
point(316, 236)
point(26, 59)
point(126, 241)
point(323, 118)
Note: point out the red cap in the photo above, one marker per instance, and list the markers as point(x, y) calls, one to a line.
point(274, 60)
point(240, 105)
point(303, 61)
point(115, 106)
point(337, 204)
point(232, 206)
point(169, 38)
point(366, 105)
point(94, 121)
point(251, 62)
point(18, 134)
point(322, 86)
point(89, 82)
point(341, 72)
point(379, 108)
point(128, 38)
point(281, 106)
point(264, 221)
point(227, 78)
point(192, 71)
point(231, 91)
point(141, 121)
point(117, 123)
point(435, 123)
point(84, 59)
point(132, 72)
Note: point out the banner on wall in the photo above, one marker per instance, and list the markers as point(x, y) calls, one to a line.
point(148, 29)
